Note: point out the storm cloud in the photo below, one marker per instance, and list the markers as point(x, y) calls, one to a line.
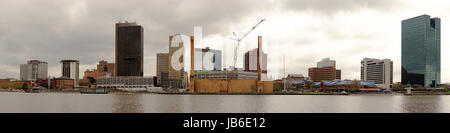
point(345, 30)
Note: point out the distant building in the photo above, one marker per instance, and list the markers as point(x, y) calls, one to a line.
point(421, 51)
point(93, 74)
point(296, 77)
point(239, 74)
point(325, 71)
point(162, 69)
point(129, 50)
point(63, 83)
point(33, 70)
point(208, 59)
point(125, 80)
point(251, 61)
point(7, 80)
point(106, 68)
point(71, 69)
point(378, 71)
point(176, 66)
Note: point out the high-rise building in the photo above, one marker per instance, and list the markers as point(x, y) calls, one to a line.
point(71, 69)
point(162, 69)
point(325, 71)
point(33, 70)
point(208, 59)
point(251, 61)
point(421, 51)
point(106, 68)
point(176, 64)
point(129, 49)
point(378, 71)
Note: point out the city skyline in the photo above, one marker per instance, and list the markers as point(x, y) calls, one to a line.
point(308, 29)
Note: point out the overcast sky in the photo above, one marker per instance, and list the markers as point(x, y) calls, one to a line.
point(304, 31)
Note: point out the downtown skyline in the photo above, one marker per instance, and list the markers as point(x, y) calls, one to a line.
point(348, 33)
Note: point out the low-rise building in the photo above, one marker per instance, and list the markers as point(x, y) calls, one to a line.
point(63, 83)
point(325, 71)
point(125, 80)
point(93, 74)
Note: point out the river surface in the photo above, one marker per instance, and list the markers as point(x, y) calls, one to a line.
point(13, 102)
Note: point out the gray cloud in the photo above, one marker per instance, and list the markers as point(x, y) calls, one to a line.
point(329, 7)
point(52, 30)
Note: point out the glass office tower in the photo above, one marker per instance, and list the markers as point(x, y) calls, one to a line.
point(421, 51)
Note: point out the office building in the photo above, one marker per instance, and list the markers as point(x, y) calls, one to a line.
point(378, 71)
point(162, 69)
point(71, 69)
point(129, 50)
point(250, 61)
point(325, 71)
point(176, 65)
point(421, 51)
point(106, 68)
point(33, 70)
point(208, 59)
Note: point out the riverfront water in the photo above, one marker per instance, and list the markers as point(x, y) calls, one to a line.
point(11, 102)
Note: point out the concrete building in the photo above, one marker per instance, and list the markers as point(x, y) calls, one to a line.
point(421, 51)
point(325, 71)
point(162, 69)
point(106, 68)
point(208, 59)
point(326, 62)
point(176, 65)
point(250, 61)
point(33, 70)
point(129, 50)
point(378, 71)
point(71, 69)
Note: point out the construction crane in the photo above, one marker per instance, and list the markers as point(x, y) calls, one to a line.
point(238, 40)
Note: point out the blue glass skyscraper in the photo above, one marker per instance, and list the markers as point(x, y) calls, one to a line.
point(421, 51)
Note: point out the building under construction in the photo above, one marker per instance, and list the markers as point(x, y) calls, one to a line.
point(228, 81)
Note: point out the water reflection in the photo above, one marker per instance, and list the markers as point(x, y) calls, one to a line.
point(127, 103)
point(421, 104)
point(152, 103)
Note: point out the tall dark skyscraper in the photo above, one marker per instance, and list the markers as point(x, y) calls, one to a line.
point(421, 51)
point(129, 49)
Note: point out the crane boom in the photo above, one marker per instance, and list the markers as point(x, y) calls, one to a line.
point(236, 51)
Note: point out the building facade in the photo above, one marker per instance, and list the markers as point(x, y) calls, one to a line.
point(378, 71)
point(125, 80)
point(162, 68)
point(208, 59)
point(421, 51)
point(63, 83)
point(251, 61)
point(106, 68)
point(93, 74)
point(325, 71)
point(33, 70)
point(71, 69)
point(176, 63)
point(129, 50)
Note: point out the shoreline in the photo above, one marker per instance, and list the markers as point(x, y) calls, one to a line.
point(256, 94)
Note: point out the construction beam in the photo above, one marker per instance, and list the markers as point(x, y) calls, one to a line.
point(191, 75)
point(259, 62)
